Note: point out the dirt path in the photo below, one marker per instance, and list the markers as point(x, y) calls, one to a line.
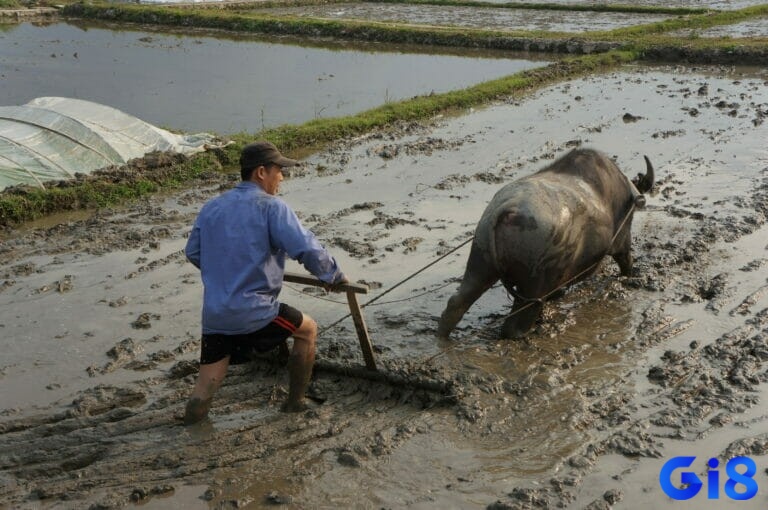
point(620, 374)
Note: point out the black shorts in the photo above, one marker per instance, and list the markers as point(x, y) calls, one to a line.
point(239, 347)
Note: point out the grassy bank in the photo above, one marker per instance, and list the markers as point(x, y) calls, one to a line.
point(252, 21)
point(109, 188)
point(627, 8)
point(9, 4)
point(636, 9)
point(699, 22)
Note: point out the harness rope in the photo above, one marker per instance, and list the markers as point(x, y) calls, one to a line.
point(542, 298)
point(402, 282)
point(587, 270)
point(529, 301)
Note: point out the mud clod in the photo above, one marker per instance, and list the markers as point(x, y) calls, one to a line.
point(275, 498)
point(629, 118)
point(144, 321)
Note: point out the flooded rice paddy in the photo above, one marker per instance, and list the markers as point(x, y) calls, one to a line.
point(202, 82)
point(751, 28)
point(486, 18)
point(576, 413)
point(698, 4)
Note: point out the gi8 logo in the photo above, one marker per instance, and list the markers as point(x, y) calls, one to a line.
point(694, 483)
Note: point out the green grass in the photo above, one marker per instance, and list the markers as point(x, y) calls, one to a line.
point(255, 21)
point(9, 4)
point(642, 9)
point(637, 9)
point(252, 21)
point(698, 22)
point(22, 204)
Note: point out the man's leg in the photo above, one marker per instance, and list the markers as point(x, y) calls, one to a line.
point(209, 378)
point(300, 364)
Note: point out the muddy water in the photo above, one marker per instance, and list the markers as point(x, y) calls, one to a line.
point(205, 83)
point(705, 4)
point(551, 418)
point(495, 19)
point(750, 28)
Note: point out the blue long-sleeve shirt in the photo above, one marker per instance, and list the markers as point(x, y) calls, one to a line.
point(239, 242)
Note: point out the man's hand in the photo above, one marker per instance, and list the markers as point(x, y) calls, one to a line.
point(336, 286)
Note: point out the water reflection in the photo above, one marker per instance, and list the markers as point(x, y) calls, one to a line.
point(199, 82)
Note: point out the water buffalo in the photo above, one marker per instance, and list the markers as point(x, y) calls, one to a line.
point(549, 230)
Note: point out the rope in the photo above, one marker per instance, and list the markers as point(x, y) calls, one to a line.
point(430, 291)
point(543, 298)
point(530, 301)
point(582, 273)
point(402, 282)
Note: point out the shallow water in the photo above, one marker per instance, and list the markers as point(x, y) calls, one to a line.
point(202, 82)
point(485, 18)
point(703, 4)
point(749, 28)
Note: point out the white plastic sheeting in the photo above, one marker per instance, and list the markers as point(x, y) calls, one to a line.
point(52, 138)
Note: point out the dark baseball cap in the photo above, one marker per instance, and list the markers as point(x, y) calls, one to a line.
point(257, 154)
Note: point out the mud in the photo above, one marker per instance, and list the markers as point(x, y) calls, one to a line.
point(707, 4)
point(617, 376)
point(491, 18)
point(35, 13)
point(750, 28)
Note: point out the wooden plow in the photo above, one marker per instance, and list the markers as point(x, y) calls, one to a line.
point(352, 289)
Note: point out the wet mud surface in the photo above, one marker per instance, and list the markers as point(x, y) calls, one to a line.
point(750, 28)
point(491, 18)
point(100, 321)
point(702, 4)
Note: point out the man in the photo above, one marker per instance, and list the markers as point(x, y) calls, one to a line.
point(239, 242)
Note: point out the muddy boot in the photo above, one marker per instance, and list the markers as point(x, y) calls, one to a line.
point(196, 410)
point(300, 372)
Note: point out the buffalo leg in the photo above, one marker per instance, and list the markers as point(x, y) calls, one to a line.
point(479, 276)
point(623, 256)
point(524, 313)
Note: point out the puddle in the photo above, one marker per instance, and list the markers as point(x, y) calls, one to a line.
point(485, 18)
point(229, 85)
point(386, 205)
point(750, 28)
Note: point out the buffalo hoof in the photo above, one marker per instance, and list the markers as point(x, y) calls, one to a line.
point(516, 327)
point(513, 333)
point(443, 331)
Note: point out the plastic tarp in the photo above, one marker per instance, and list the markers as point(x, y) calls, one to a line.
point(52, 138)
